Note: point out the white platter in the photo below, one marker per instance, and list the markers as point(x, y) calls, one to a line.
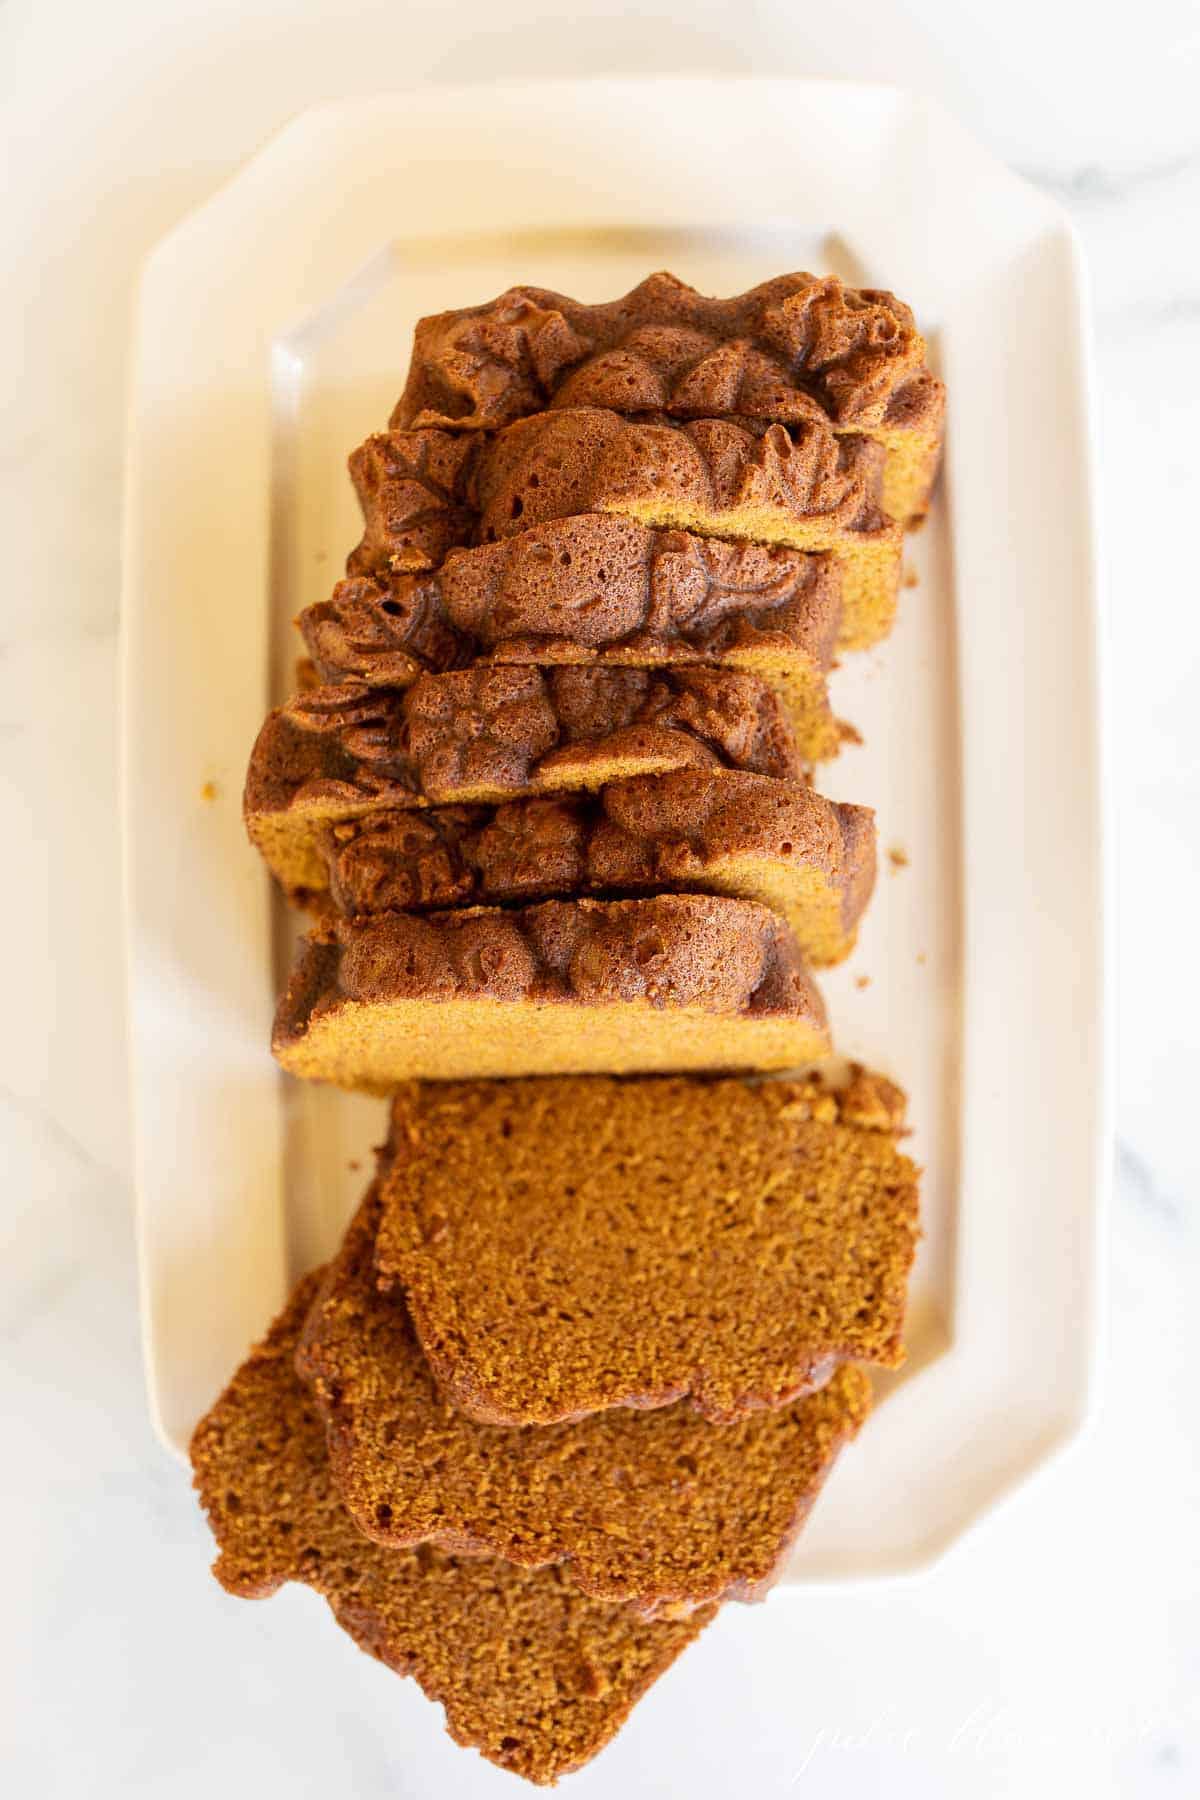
point(271, 337)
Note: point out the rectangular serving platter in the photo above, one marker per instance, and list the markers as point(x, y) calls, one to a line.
point(271, 337)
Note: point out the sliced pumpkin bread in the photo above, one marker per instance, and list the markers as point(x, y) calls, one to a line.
point(565, 1246)
point(661, 1509)
point(797, 347)
point(697, 830)
point(532, 1673)
point(592, 589)
point(678, 981)
point(491, 734)
point(798, 485)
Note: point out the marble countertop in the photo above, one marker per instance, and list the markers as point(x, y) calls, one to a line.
point(1056, 1650)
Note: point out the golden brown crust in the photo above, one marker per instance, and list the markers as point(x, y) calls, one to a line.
point(489, 734)
point(385, 630)
point(726, 957)
point(819, 490)
point(656, 1508)
point(695, 829)
point(733, 477)
point(569, 1245)
point(593, 586)
point(531, 1672)
point(797, 347)
point(415, 491)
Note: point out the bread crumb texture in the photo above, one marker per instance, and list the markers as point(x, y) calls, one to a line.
point(571, 1245)
point(531, 1672)
point(658, 1507)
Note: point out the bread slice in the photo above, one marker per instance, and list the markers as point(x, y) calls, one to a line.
point(567, 1246)
point(346, 751)
point(532, 1673)
point(597, 589)
point(679, 981)
point(660, 1509)
point(798, 347)
point(697, 830)
point(797, 485)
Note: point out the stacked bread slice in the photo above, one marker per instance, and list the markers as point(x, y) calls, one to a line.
point(600, 1326)
point(578, 665)
point(531, 1672)
point(576, 1374)
point(794, 350)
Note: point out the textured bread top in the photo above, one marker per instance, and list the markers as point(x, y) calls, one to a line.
point(489, 733)
point(732, 477)
point(531, 1673)
point(726, 957)
point(585, 458)
point(656, 830)
point(658, 1508)
point(594, 585)
point(415, 490)
point(798, 347)
point(568, 1245)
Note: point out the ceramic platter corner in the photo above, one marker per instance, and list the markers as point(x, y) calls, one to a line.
point(272, 335)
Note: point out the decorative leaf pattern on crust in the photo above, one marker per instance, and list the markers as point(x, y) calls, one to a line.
point(509, 729)
point(573, 589)
point(414, 489)
point(798, 347)
point(554, 464)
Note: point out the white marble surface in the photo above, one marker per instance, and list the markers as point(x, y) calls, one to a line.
point(1056, 1651)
